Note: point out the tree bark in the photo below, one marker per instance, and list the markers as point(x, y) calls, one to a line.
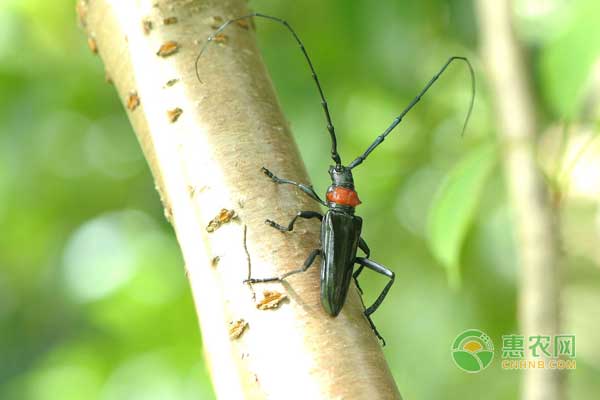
point(205, 143)
point(534, 218)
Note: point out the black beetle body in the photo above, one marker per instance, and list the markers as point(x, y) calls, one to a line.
point(340, 241)
point(340, 233)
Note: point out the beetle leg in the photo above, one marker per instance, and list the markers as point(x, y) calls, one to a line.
point(305, 188)
point(372, 265)
point(375, 329)
point(364, 247)
point(309, 261)
point(290, 227)
point(355, 276)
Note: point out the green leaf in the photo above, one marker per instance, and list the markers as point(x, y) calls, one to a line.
point(566, 62)
point(454, 206)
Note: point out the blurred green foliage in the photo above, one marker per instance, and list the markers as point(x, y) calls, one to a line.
point(453, 209)
point(93, 298)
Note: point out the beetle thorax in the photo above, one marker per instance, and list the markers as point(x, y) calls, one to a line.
point(341, 192)
point(342, 196)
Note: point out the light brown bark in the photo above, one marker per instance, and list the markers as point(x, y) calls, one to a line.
point(210, 158)
point(534, 218)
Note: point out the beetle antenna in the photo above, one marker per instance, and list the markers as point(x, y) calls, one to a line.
point(397, 120)
point(334, 153)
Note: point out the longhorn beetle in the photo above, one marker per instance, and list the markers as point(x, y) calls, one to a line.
point(340, 227)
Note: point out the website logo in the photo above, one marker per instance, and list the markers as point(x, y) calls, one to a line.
point(538, 352)
point(472, 351)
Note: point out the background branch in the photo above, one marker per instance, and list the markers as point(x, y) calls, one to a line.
point(207, 158)
point(535, 221)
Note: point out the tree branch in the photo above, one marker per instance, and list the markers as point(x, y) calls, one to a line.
point(536, 222)
point(205, 144)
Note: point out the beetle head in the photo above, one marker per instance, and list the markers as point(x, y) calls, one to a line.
point(341, 176)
